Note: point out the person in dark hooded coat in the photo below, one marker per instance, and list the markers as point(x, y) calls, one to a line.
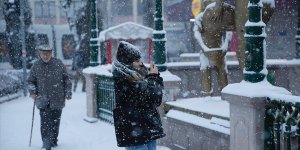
point(79, 63)
point(138, 94)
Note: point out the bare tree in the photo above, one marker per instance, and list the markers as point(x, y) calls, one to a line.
point(11, 13)
point(82, 23)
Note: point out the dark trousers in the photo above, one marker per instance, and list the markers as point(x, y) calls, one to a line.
point(79, 75)
point(50, 121)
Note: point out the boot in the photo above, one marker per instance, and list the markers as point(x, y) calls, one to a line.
point(54, 144)
point(46, 148)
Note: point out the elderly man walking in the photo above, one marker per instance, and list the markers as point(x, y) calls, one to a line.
point(49, 86)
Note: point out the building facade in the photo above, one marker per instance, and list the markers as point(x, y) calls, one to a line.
point(52, 11)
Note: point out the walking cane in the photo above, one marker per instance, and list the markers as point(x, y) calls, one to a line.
point(32, 123)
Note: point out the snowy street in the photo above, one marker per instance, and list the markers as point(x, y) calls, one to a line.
point(75, 133)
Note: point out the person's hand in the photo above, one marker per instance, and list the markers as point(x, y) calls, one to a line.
point(33, 96)
point(69, 96)
point(153, 69)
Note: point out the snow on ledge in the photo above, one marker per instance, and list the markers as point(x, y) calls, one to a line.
point(127, 30)
point(270, 2)
point(260, 89)
point(106, 70)
point(204, 105)
point(168, 76)
point(198, 121)
point(270, 62)
point(99, 70)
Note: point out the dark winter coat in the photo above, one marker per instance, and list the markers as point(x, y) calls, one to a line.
point(80, 60)
point(136, 117)
point(51, 83)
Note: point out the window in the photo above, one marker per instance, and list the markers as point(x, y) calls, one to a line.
point(68, 45)
point(44, 9)
point(123, 7)
point(75, 6)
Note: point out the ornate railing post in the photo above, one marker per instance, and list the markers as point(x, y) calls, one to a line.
point(94, 35)
point(159, 38)
point(255, 68)
point(269, 142)
point(288, 136)
point(285, 122)
point(298, 134)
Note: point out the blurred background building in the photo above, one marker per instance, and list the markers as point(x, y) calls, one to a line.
point(55, 21)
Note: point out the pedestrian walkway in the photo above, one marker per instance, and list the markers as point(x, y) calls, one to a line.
point(75, 133)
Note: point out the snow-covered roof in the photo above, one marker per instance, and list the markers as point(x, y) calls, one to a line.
point(104, 70)
point(127, 30)
point(271, 2)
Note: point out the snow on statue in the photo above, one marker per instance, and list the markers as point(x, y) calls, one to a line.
point(210, 35)
point(211, 31)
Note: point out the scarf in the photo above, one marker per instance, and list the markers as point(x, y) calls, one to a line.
point(128, 72)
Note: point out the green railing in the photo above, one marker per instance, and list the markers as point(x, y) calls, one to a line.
point(282, 125)
point(105, 98)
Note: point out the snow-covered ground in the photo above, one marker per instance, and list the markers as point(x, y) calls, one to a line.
point(75, 133)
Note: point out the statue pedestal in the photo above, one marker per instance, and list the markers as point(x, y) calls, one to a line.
point(246, 122)
point(247, 112)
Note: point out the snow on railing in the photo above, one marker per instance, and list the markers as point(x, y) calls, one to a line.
point(282, 120)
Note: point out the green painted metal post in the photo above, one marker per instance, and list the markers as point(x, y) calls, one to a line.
point(297, 107)
point(298, 135)
point(94, 47)
point(159, 39)
point(24, 52)
point(298, 33)
point(288, 137)
point(269, 130)
point(255, 68)
point(277, 135)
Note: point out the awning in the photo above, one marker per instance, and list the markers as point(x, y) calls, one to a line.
point(128, 30)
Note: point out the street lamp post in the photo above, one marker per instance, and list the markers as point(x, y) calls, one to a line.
point(94, 35)
point(22, 34)
point(255, 65)
point(159, 39)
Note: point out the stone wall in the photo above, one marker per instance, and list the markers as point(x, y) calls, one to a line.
point(181, 135)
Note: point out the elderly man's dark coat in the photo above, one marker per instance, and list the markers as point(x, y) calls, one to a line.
point(136, 117)
point(51, 83)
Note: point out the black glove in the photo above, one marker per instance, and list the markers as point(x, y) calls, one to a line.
point(69, 96)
